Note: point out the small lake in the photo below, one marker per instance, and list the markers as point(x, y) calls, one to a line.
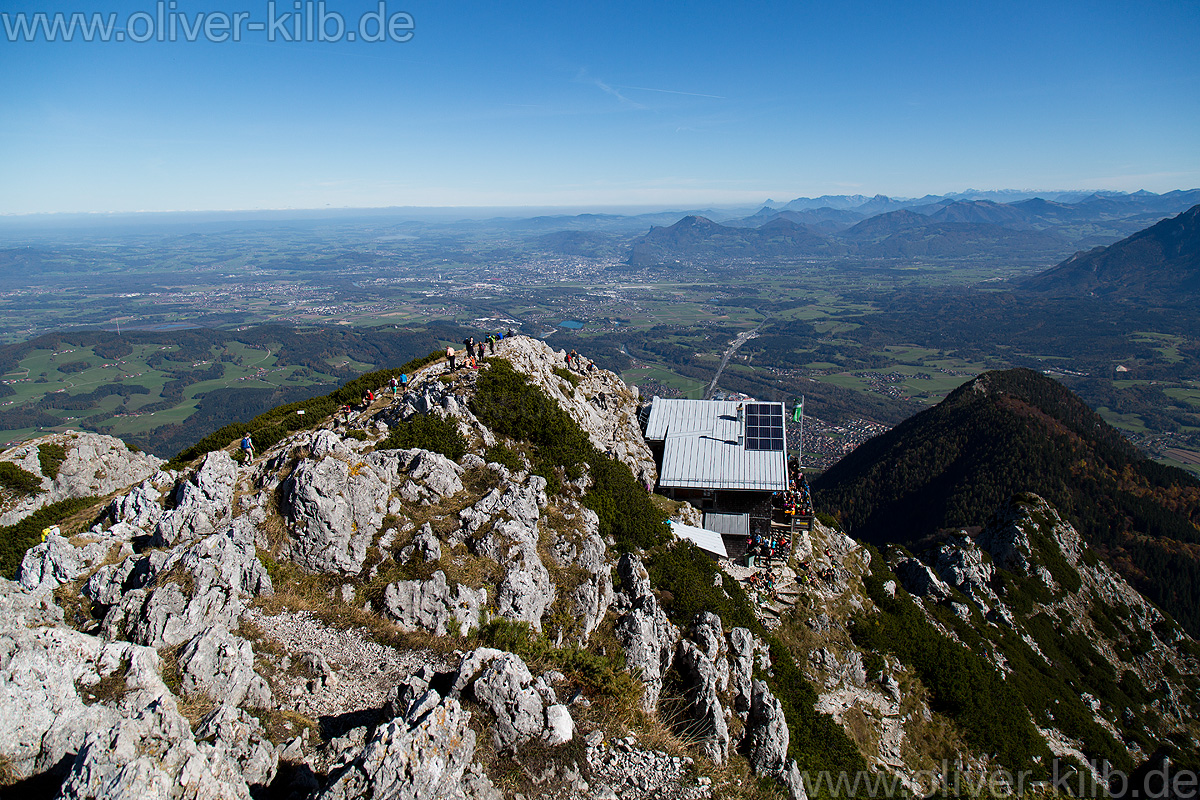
point(571, 323)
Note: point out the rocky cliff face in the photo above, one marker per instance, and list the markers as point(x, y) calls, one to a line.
point(342, 619)
point(91, 466)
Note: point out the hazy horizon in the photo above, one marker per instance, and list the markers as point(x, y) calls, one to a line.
point(561, 106)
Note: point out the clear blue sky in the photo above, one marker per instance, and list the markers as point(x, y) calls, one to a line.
point(685, 104)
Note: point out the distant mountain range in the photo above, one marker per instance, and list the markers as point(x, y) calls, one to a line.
point(1017, 430)
point(1160, 263)
point(1029, 229)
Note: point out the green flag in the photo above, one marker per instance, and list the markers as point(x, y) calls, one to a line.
point(798, 413)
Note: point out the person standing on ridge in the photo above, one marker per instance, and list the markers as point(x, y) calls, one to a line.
point(450, 357)
point(248, 447)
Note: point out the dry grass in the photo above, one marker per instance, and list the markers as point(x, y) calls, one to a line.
point(109, 689)
point(863, 729)
point(927, 742)
point(279, 725)
point(465, 568)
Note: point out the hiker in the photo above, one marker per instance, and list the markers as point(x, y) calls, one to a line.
point(573, 357)
point(248, 447)
point(450, 357)
point(395, 384)
point(347, 410)
point(404, 381)
point(492, 344)
point(480, 350)
point(568, 359)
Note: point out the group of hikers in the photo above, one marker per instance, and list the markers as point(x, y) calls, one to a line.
point(473, 352)
point(579, 363)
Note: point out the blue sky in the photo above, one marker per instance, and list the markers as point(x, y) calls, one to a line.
point(601, 104)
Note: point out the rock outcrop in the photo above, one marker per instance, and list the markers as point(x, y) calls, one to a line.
point(94, 466)
point(649, 638)
point(433, 606)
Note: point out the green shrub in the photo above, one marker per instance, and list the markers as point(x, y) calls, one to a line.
point(511, 406)
point(270, 427)
point(502, 454)
point(16, 539)
point(51, 456)
point(427, 432)
point(19, 480)
point(829, 520)
point(994, 713)
point(566, 375)
point(604, 675)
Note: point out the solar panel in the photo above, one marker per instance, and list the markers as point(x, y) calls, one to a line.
point(764, 426)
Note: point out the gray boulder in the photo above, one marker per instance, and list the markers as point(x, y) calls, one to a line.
point(220, 665)
point(704, 705)
point(920, 580)
point(190, 590)
point(50, 563)
point(335, 510)
point(508, 690)
point(432, 476)
point(57, 684)
point(430, 605)
point(140, 507)
point(425, 542)
point(415, 758)
point(148, 756)
point(240, 739)
point(526, 591)
point(767, 736)
point(745, 652)
point(201, 502)
point(60, 560)
point(505, 688)
point(643, 630)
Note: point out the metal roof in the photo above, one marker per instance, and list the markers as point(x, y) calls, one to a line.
point(727, 524)
point(705, 540)
point(704, 447)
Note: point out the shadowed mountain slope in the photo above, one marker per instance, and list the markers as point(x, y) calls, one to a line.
point(1013, 431)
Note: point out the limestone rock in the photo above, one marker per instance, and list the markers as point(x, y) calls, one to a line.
point(95, 466)
point(602, 405)
point(644, 631)
point(201, 502)
point(50, 679)
point(152, 755)
point(425, 542)
point(526, 591)
point(240, 738)
point(507, 689)
point(704, 706)
point(139, 507)
point(745, 652)
point(920, 580)
point(335, 510)
point(767, 734)
point(432, 475)
point(409, 759)
point(220, 665)
point(430, 605)
point(190, 590)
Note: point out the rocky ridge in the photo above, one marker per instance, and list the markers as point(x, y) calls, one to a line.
point(338, 619)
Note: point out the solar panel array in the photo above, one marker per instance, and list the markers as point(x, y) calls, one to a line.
point(764, 426)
